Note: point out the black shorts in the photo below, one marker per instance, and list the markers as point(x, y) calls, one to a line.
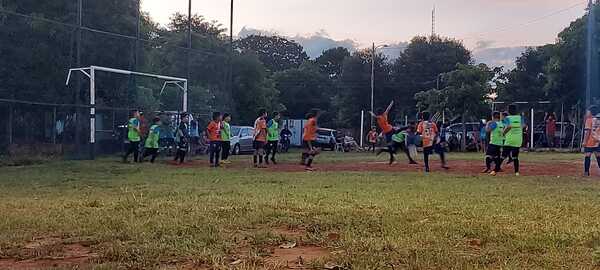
point(437, 148)
point(493, 150)
point(591, 149)
point(510, 151)
point(257, 145)
point(306, 146)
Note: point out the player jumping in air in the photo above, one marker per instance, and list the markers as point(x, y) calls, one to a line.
point(382, 121)
point(591, 138)
point(429, 134)
point(260, 138)
point(494, 150)
point(513, 136)
point(308, 140)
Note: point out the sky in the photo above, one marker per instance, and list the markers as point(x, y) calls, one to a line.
point(479, 23)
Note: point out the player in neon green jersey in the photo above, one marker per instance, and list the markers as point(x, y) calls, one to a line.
point(272, 138)
point(513, 136)
point(151, 145)
point(134, 136)
point(494, 150)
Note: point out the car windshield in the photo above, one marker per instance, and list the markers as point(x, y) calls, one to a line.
point(324, 132)
point(235, 131)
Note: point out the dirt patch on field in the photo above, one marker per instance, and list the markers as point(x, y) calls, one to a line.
point(50, 252)
point(458, 167)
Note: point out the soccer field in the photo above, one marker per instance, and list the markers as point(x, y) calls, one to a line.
point(105, 215)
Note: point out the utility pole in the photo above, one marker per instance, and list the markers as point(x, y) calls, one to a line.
point(189, 54)
point(78, 87)
point(433, 21)
point(230, 88)
point(372, 80)
point(591, 55)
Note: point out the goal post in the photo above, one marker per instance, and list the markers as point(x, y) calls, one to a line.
point(90, 72)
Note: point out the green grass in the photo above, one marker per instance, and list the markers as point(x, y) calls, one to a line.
point(145, 216)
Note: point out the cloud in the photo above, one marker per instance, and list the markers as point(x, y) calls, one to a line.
point(483, 44)
point(314, 44)
point(496, 57)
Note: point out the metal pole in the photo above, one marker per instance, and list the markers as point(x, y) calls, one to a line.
point(590, 54)
point(54, 125)
point(562, 125)
point(531, 131)
point(406, 120)
point(138, 33)
point(231, 51)
point(189, 53)
point(185, 96)
point(362, 127)
point(372, 81)
point(10, 123)
point(92, 113)
point(79, 83)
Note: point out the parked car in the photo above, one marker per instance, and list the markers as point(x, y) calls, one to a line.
point(242, 138)
point(326, 138)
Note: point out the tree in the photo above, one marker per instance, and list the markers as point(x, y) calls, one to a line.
point(251, 88)
point(304, 88)
point(466, 93)
point(331, 62)
point(355, 87)
point(277, 53)
point(419, 66)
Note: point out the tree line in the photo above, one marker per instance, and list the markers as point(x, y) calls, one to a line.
point(433, 73)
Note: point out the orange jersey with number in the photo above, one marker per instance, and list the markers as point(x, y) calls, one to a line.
point(382, 122)
point(592, 126)
point(310, 130)
point(428, 131)
point(260, 130)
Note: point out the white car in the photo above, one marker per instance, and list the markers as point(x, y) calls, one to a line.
point(242, 138)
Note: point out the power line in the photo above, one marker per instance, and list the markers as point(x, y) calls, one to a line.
point(93, 30)
point(536, 20)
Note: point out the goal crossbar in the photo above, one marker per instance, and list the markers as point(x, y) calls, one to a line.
point(90, 72)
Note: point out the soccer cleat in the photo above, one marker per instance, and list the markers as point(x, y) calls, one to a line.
point(309, 169)
point(445, 167)
point(225, 161)
point(412, 162)
point(586, 174)
point(273, 161)
point(517, 174)
point(493, 173)
point(486, 171)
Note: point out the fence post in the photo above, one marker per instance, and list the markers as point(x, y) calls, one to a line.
point(92, 113)
point(54, 125)
point(10, 123)
point(362, 127)
point(532, 131)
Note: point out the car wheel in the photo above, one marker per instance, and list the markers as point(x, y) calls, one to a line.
point(236, 149)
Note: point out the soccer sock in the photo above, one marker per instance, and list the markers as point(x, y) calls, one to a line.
point(310, 161)
point(598, 161)
point(443, 158)
point(516, 164)
point(260, 159)
point(587, 163)
point(499, 161)
point(426, 161)
point(488, 162)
